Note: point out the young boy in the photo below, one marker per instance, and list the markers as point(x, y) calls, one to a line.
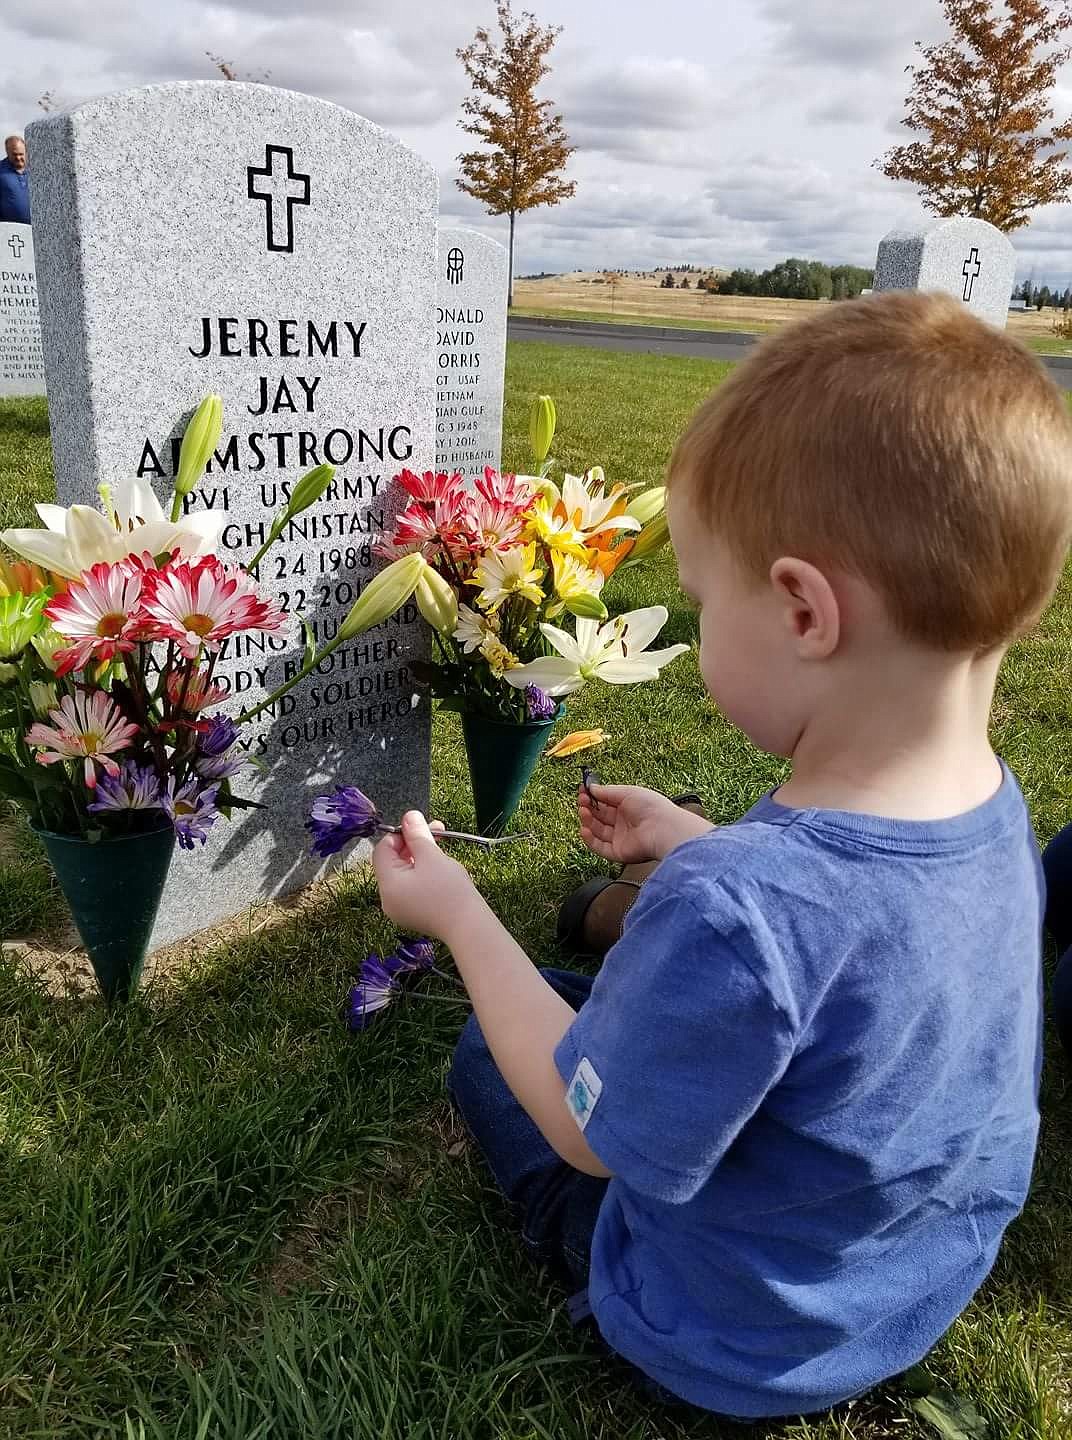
point(779, 1140)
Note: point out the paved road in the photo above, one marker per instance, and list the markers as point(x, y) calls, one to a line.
point(663, 340)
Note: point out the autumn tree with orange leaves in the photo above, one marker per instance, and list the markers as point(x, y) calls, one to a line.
point(526, 143)
point(982, 103)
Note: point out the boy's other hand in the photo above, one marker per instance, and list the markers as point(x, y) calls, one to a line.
point(421, 889)
point(631, 825)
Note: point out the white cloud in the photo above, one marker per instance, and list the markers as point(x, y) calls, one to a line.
point(730, 134)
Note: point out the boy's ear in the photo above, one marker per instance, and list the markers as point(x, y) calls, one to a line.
point(809, 607)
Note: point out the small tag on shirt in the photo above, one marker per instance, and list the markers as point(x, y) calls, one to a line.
point(582, 1095)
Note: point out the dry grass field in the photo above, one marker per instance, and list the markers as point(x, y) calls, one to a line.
point(642, 298)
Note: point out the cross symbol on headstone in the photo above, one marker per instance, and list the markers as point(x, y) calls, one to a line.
point(280, 189)
point(970, 279)
point(17, 244)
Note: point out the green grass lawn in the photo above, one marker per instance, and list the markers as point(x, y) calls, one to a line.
point(223, 1219)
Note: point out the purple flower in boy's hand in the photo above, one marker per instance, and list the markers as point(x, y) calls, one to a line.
point(538, 704)
point(336, 819)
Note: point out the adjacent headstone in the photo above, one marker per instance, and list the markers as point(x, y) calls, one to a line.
point(967, 258)
point(22, 369)
point(471, 339)
point(281, 251)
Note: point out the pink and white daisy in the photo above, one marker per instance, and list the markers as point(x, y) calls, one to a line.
point(199, 603)
point(494, 511)
point(88, 727)
point(100, 612)
point(433, 489)
point(443, 526)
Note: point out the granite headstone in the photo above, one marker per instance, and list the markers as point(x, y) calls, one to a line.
point(279, 250)
point(22, 369)
point(471, 343)
point(967, 258)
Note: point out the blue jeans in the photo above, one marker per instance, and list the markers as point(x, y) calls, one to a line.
point(557, 1205)
point(1057, 863)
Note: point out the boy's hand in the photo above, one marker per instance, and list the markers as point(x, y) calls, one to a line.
point(632, 825)
point(421, 889)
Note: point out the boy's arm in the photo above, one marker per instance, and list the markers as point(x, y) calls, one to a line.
point(523, 1020)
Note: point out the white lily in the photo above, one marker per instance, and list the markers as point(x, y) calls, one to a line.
point(78, 537)
point(615, 651)
point(588, 504)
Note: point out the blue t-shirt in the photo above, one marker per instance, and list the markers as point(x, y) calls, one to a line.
point(811, 1064)
point(14, 194)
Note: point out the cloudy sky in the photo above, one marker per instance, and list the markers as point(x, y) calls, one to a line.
point(726, 133)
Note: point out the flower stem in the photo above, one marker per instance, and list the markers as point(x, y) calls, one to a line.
point(486, 842)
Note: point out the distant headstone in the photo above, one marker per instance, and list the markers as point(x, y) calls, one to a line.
point(967, 258)
point(471, 341)
point(281, 251)
point(22, 369)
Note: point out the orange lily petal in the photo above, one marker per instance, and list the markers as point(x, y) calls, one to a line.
point(576, 741)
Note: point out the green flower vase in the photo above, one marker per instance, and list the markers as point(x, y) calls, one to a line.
point(113, 887)
point(501, 759)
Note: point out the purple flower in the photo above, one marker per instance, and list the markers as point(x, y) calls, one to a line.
point(215, 758)
point(191, 808)
point(539, 704)
point(410, 955)
point(221, 734)
point(134, 788)
point(338, 818)
point(375, 989)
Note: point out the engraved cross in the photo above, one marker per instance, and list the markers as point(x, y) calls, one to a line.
point(17, 245)
point(281, 188)
point(970, 279)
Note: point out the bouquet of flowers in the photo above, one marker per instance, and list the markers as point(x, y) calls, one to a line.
point(111, 625)
point(501, 568)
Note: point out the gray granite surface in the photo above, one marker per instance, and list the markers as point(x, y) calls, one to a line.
point(471, 343)
point(279, 250)
point(22, 370)
point(966, 258)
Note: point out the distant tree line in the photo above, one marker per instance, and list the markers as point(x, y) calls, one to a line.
point(1043, 298)
point(795, 279)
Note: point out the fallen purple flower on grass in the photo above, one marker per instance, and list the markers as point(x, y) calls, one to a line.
point(411, 955)
point(378, 983)
point(538, 704)
point(337, 819)
point(375, 989)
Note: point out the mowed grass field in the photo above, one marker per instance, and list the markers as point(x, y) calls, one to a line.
point(642, 300)
point(221, 1218)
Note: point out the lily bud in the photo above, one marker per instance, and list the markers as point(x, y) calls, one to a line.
point(649, 503)
point(43, 698)
point(542, 421)
point(200, 440)
point(46, 643)
point(437, 602)
point(586, 607)
point(383, 595)
point(309, 489)
point(652, 538)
